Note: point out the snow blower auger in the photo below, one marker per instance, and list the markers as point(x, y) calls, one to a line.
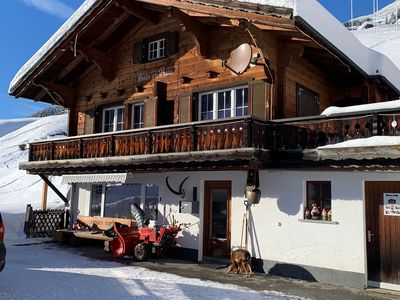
point(142, 242)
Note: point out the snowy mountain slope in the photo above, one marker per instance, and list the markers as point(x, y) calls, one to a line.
point(7, 126)
point(384, 39)
point(17, 188)
point(385, 15)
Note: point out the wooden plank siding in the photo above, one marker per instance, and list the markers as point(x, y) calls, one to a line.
point(186, 63)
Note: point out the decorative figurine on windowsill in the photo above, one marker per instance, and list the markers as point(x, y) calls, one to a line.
point(307, 214)
point(315, 212)
point(330, 215)
point(324, 215)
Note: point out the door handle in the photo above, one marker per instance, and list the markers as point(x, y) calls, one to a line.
point(370, 235)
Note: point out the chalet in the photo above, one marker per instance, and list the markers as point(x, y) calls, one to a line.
point(208, 113)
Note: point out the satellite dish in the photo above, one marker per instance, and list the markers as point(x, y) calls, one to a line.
point(240, 59)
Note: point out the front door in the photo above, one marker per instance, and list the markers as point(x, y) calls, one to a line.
point(382, 233)
point(217, 206)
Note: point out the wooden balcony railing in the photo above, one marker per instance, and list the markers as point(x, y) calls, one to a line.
point(288, 134)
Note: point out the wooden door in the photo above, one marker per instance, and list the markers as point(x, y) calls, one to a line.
point(382, 234)
point(217, 212)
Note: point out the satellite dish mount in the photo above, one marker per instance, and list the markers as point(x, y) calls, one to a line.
point(240, 59)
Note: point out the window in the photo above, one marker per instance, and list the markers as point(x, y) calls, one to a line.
point(95, 202)
point(113, 119)
point(223, 104)
point(119, 198)
point(137, 115)
point(318, 201)
point(307, 102)
point(151, 201)
point(156, 49)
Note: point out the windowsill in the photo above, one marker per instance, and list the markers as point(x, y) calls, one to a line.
point(319, 221)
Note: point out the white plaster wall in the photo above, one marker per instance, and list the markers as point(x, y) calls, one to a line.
point(337, 246)
point(276, 232)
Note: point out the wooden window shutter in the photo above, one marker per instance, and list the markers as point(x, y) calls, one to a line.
point(184, 109)
point(89, 121)
point(172, 39)
point(260, 99)
point(195, 107)
point(98, 119)
point(138, 52)
point(150, 112)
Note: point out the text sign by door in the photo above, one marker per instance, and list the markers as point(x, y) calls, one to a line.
point(391, 204)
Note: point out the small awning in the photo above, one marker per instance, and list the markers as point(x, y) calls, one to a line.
point(94, 178)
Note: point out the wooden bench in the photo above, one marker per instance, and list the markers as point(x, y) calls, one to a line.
point(90, 228)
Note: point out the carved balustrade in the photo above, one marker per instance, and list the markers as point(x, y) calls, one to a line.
point(293, 134)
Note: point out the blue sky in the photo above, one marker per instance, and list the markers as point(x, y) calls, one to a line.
point(27, 24)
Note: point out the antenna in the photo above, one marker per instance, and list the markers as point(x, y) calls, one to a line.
point(240, 59)
point(351, 14)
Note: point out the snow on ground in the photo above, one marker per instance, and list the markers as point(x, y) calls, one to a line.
point(10, 125)
point(46, 271)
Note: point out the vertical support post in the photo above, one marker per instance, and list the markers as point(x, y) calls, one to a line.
point(45, 189)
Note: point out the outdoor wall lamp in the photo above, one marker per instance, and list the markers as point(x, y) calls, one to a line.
point(185, 79)
point(88, 97)
point(120, 92)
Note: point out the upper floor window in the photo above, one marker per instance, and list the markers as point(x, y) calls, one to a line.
point(318, 201)
point(137, 115)
point(307, 101)
point(113, 119)
point(156, 49)
point(225, 103)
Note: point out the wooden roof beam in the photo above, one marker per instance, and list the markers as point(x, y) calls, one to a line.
point(198, 30)
point(65, 93)
point(101, 59)
point(138, 11)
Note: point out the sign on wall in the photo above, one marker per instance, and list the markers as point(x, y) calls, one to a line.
point(391, 204)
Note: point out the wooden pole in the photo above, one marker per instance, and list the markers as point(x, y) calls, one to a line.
point(44, 194)
point(63, 198)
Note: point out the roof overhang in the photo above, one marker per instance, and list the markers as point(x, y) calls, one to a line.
point(242, 158)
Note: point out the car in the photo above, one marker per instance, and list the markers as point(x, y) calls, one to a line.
point(2, 246)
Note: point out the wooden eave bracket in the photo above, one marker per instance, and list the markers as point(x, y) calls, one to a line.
point(138, 11)
point(198, 30)
point(65, 93)
point(52, 186)
point(101, 59)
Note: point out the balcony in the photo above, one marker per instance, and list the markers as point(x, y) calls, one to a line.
point(211, 138)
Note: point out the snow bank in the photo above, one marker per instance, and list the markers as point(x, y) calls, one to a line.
point(17, 188)
point(10, 125)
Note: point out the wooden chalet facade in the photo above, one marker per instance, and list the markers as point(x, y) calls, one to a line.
point(216, 91)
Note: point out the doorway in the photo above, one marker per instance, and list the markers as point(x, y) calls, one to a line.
point(382, 233)
point(217, 219)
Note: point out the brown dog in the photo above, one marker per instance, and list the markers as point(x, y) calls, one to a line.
point(241, 261)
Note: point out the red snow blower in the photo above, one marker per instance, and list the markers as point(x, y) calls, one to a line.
point(141, 242)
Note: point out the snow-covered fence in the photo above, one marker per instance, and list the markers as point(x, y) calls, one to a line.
point(43, 223)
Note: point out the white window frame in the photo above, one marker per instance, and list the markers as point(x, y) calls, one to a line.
point(158, 51)
point(115, 121)
point(141, 121)
point(215, 101)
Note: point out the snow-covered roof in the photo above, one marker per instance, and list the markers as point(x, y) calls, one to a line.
point(311, 12)
point(334, 110)
point(374, 141)
point(56, 39)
